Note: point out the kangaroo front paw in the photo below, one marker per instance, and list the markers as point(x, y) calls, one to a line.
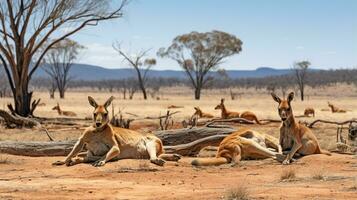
point(280, 157)
point(59, 163)
point(176, 157)
point(286, 161)
point(158, 161)
point(99, 163)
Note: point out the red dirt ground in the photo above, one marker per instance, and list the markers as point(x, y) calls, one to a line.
point(35, 178)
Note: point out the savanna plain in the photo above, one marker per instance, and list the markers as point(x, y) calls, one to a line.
point(311, 177)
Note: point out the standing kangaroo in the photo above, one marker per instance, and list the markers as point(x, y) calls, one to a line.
point(225, 114)
point(62, 112)
point(295, 137)
point(106, 143)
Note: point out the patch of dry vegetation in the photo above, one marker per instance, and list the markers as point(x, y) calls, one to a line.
point(318, 174)
point(238, 193)
point(288, 174)
point(4, 160)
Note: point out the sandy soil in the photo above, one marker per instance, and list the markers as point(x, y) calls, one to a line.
point(35, 178)
point(317, 176)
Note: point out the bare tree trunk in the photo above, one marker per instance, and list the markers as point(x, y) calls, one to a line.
point(22, 98)
point(302, 93)
point(197, 93)
point(61, 93)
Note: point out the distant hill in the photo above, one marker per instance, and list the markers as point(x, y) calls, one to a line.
point(92, 72)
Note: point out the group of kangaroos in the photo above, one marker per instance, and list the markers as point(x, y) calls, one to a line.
point(104, 143)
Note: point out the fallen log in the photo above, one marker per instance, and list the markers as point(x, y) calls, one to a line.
point(11, 120)
point(330, 122)
point(185, 141)
point(63, 148)
point(184, 136)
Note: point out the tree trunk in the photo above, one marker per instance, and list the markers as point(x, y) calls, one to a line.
point(22, 98)
point(197, 93)
point(302, 93)
point(61, 93)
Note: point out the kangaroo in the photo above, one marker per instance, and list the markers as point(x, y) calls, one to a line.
point(225, 114)
point(62, 112)
point(202, 114)
point(295, 137)
point(243, 144)
point(106, 143)
point(335, 109)
point(309, 111)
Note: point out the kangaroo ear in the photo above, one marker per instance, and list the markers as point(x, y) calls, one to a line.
point(275, 97)
point(290, 97)
point(108, 102)
point(92, 102)
point(195, 108)
point(222, 101)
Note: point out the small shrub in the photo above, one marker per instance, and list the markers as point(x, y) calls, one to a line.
point(4, 160)
point(288, 174)
point(318, 174)
point(238, 193)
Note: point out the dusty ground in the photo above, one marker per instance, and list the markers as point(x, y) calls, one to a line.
point(317, 176)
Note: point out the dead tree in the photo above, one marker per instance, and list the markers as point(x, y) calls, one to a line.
point(27, 27)
point(58, 62)
point(300, 69)
point(140, 66)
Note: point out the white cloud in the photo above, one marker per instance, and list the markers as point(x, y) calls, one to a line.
point(101, 55)
point(300, 48)
point(329, 53)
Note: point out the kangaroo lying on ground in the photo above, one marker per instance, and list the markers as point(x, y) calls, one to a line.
point(62, 112)
point(295, 137)
point(309, 111)
point(335, 109)
point(106, 143)
point(244, 144)
point(202, 114)
point(225, 114)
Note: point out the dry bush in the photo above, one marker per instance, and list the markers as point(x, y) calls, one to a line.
point(4, 160)
point(288, 174)
point(318, 174)
point(238, 193)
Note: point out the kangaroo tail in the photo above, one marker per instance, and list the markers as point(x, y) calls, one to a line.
point(325, 152)
point(209, 161)
point(256, 120)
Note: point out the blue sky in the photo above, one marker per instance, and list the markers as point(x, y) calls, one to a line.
point(275, 33)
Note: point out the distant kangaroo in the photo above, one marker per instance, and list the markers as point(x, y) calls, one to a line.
point(295, 137)
point(62, 112)
point(335, 109)
point(309, 111)
point(202, 114)
point(229, 114)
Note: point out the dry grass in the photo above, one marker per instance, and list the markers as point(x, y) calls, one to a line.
point(318, 174)
point(238, 193)
point(288, 174)
point(4, 160)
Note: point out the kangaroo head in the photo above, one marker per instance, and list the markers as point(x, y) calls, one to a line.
point(329, 104)
point(220, 106)
point(100, 113)
point(198, 111)
point(284, 108)
point(57, 107)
